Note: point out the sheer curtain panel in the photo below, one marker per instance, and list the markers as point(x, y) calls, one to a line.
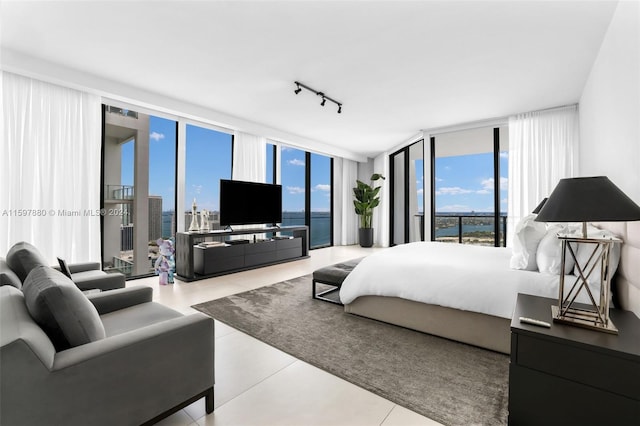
point(50, 169)
point(249, 157)
point(543, 149)
point(381, 217)
point(250, 165)
point(345, 227)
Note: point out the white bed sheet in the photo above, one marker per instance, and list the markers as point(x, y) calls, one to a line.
point(471, 278)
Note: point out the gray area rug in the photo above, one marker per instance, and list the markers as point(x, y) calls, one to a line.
point(447, 381)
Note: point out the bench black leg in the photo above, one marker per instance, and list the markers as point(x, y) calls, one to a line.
point(319, 296)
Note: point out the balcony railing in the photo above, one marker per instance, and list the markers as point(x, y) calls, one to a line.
point(119, 192)
point(470, 229)
point(122, 111)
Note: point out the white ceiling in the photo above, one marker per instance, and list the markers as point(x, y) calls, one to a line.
point(398, 67)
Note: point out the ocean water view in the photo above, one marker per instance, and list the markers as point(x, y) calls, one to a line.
point(476, 224)
point(320, 226)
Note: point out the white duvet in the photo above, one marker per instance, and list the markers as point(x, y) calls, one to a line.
point(471, 278)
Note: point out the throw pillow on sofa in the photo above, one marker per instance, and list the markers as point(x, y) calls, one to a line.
point(23, 257)
point(60, 308)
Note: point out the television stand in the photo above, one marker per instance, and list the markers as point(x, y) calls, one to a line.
point(196, 263)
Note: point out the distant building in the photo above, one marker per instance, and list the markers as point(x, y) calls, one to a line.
point(126, 237)
point(155, 217)
point(168, 224)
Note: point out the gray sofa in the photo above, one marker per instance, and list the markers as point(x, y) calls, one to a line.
point(22, 257)
point(109, 358)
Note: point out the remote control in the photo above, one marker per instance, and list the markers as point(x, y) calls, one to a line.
point(535, 322)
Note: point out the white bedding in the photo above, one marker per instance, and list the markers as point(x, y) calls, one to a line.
point(465, 277)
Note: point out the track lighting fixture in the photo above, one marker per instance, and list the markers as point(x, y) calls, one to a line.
point(325, 98)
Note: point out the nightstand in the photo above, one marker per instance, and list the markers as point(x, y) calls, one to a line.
point(568, 375)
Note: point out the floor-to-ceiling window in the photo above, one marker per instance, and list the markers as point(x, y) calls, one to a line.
point(208, 159)
point(320, 229)
point(139, 175)
point(407, 195)
point(470, 182)
point(140, 185)
point(306, 193)
point(293, 176)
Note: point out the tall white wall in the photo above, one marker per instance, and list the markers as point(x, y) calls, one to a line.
point(610, 115)
point(610, 105)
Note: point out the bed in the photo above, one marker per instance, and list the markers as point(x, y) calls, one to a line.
point(483, 316)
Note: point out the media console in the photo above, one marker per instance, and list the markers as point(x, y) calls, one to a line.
point(194, 262)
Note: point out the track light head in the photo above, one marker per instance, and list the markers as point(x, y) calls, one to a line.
point(298, 90)
point(324, 101)
point(339, 108)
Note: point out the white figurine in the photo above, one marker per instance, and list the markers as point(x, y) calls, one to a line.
point(205, 225)
point(194, 227)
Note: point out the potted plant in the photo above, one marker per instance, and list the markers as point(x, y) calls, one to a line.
point(366, 200)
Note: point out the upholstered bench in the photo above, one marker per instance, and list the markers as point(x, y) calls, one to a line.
point(333, 275)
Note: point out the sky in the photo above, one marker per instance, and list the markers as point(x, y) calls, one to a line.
point(293, 179)
point(463, 183)
point(208, 159)
point(162, 161)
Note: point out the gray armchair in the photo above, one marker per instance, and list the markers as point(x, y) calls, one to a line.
point(89, 276)
point(131, 361)
point(23, 257)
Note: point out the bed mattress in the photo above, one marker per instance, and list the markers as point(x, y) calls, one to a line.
point(463, 277)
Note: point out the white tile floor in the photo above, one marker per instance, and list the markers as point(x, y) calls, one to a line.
point(257, 384)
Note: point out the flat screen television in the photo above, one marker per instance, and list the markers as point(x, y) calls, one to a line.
point(249, 203)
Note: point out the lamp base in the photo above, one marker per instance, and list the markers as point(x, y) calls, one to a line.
point(582, 318)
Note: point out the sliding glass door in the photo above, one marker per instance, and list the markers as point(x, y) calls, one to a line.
point(407, 198)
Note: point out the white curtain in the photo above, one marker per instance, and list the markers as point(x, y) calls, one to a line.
point(543, 148)
point(250, 165)
point(381, 218)
point(249, 157)
point(345, 220)
point(50, 169)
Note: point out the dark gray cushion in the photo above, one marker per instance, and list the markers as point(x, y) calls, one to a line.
point(101, 280)
point(335, 274)
point(7, 276)
point(138, 316)
point(60, 308)
point(23, 257)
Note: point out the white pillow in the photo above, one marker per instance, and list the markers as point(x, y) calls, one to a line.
point(549, 254)
point(585, 250)
point(525, 243)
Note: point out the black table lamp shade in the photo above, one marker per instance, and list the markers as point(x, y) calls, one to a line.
point(540, 206)
point(588, 199)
